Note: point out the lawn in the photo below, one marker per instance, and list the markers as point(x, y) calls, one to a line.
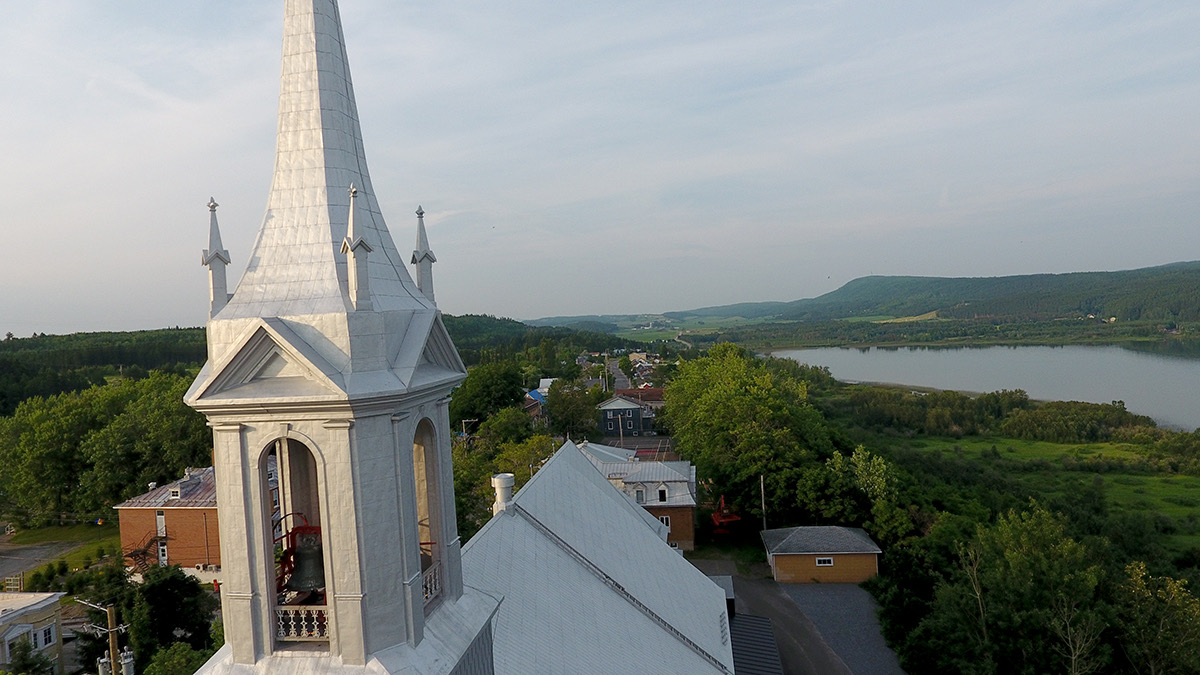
point(73, 533)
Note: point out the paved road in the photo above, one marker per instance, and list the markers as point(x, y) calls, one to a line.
point(619, 379)
point(18, 559)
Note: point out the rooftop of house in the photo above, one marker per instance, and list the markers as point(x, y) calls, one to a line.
point(644, 394)
point(196, 490)
point(15, 605)
point(570, 540)
point(622, 403)
point(819, 539)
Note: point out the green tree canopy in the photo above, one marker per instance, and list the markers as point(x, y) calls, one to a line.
point(736, 420)
point(487, 389)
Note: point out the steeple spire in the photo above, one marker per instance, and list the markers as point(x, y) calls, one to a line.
point(355, 248)
point(296, 267)
point(423, 258)
point(215, 258)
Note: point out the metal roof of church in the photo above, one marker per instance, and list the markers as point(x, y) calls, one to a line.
point(588, 587)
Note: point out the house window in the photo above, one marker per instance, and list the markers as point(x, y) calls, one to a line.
point(610, 416)
point(640, 495)
point(629, 424)
point(610, 426)
point(662, 494)
point(665, 520)
point(162, 553)
point(35, 641)
point(48, 636)
point(824, 562)
point(174, 493)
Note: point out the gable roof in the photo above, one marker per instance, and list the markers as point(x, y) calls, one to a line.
point(620, 403)
point(588, 586)
point(197, 490)
point(819, 539)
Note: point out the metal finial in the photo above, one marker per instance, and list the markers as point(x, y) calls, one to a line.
point(420, 212)
point(212, 204)
point(353, 191)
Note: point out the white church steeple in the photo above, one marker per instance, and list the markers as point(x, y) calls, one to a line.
point(327, 388)
point(215, 258)
point(423, 258)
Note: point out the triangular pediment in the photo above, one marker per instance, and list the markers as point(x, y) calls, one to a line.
point(272, 362)
point(427, 355)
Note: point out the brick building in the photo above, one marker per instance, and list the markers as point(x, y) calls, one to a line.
point(667, 489)
point(173, 524)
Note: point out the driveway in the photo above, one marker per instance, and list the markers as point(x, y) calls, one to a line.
point(802, 650)
point(845, 616)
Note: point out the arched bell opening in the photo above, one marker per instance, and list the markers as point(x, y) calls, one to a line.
point(301, 610)
point(429, 513)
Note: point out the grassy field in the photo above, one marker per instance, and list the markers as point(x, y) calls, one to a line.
point(71, 533)
point(1175, 496)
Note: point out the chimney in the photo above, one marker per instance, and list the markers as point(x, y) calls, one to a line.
point(503, 484)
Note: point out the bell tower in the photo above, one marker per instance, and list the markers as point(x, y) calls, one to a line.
point(327, 388)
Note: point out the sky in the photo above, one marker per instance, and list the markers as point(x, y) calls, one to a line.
point(606, 158)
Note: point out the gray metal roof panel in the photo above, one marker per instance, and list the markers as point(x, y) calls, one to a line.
point(819, 539)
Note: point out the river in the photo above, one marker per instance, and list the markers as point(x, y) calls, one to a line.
point(1162, 387)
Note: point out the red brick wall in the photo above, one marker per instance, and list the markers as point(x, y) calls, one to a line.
point(186, 545)
point(683, 524)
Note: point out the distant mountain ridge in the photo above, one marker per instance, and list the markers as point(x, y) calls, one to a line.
point(1162, 293)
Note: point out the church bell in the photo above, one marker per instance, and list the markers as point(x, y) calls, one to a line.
point(309, 571)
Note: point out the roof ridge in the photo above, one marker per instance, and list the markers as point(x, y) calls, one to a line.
point(616, 586)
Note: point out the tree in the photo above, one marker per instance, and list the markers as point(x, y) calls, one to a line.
point(525, 458)
point(508, 425)
point(626, 366)
point(1160, 622)
point(170, 606)
point(178, 659)
point(24, 661)
point(736, 421)
point(571, 409)
point(1024, 599)
point(488, 388)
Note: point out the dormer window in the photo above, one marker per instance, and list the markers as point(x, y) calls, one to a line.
point(640, 495)
point(662, 494)
point(174, 493)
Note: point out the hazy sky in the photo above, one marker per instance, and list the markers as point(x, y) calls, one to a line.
point(607, 157)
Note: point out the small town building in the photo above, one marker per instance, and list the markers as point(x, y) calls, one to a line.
point(589, 584)
point(174, 524)
point(667, 490)
point(36, 617)
point(821, 554)
point(625, 416)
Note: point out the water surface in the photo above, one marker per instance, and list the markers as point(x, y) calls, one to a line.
point(1161, 386)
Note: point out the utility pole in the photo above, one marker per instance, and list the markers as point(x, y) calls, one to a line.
point(111, 631)
point(762, 491)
